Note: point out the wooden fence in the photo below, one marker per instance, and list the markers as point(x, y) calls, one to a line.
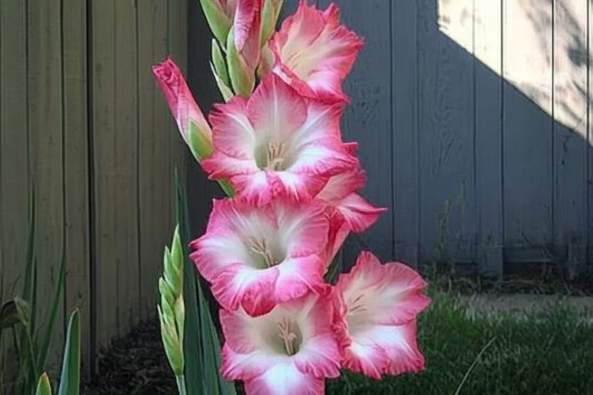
point(83, 125)
point(474, 123)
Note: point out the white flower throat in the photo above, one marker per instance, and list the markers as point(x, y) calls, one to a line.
point(262, 249)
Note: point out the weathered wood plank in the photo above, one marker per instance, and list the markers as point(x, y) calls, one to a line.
point(45, 106)
point(570, 132)
point(589, 136)
point(107, 176)
point(14, 155)
point(527, 133)
point(368, 118)
point(76, 176)
point(154, 185)
point(488, 118)
point(448, 212)
point(123, 156)
point(404, 64)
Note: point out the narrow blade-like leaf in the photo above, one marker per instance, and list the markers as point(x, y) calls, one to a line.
point(43, 386)
point(70, 379)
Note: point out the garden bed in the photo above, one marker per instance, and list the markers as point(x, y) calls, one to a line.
point(547, 351)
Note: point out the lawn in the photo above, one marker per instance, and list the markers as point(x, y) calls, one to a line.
point(547, 353)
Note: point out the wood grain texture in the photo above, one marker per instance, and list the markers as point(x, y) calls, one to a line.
point(527, 129)
point(153, 172)
point(46, 124)
point(106, 175)
point(488, 133)
point(570, 102)
point(447, 198)
point(76, 169)
point(14, 157)
point(369, 114)
point(123, 156)
point(406, 193)
point(589, 136)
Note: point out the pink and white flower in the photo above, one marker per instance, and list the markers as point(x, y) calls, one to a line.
point(348, 211)
point(277, 144)
point(289, 351)
point(375, 316)
point(257, 257)
point(314, 53)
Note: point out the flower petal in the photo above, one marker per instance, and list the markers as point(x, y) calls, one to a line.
point(314, 53)
point(285, 379)
point(297, 277)
point(276, 108)
point(359, 213)
point(391, 292)
point(389, 349)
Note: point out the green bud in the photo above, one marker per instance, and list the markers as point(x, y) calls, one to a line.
point(179, 309)
point(171, 343)
point(219, 62)
point(220, 23)
point(167, 296)
point(225, 91)
point(270, 14)
point(242, 78)
point(43, 385)
point(199, 144)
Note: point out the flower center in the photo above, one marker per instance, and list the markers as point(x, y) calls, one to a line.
point(272, 156)
point(357, 306)
point(262, 250)
point(290, 336)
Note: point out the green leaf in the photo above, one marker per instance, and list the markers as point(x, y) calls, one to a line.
point(335, 268)
point(43, 386)
point(219, 22)
point(201, 339)
point(242, 78)
point(55, 304)
point(225, 91)
point(192, 346)
point(70, 378)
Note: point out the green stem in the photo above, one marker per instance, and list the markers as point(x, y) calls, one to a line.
point(181, 384)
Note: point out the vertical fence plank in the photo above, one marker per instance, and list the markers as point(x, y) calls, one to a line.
point(570, 132)
point(47, 151)
point(447, 131)
point(153, 150)
point(367, 119)
point(76, 168)
point(589, 134)
point(488, 118)
point(527, 129)
point(106, 177)
point(14, 155)
point(404, 63)
point(124, 151)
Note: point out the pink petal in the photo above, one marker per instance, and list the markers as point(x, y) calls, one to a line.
point(233, 133)
point(391, 292)
point(244, 366)
point(297, 277)
point(274, 107)
point(304, 228)
point(298, 187)
point(342, 185)
point(258, 189)
point(386, 349)
point(314, 53)
point(247, 30)
point(241, 286)
point(359, 213)
point(179, 98)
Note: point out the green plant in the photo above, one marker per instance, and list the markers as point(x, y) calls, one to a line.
point(31, 340)
point(70, 377)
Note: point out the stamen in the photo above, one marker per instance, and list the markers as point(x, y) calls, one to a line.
point(261, 248)
point(275, 154)
point(358, 305)
point(288, 336)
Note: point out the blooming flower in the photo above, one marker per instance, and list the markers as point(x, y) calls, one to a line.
point(289, 351)
point(257, 257)
point(314, 53)
point(190, 120)
point(277, 144)
point(375, 315)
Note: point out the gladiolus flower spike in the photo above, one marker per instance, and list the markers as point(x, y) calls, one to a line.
point(295, 197)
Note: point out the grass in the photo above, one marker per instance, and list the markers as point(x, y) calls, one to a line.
point(547, 353)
